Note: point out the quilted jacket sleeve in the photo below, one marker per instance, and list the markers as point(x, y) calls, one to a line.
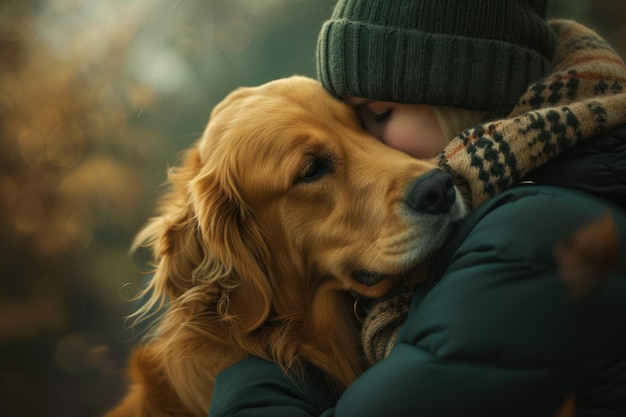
point(499, 334)
point(258, 388)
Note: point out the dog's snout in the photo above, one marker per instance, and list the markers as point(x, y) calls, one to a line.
point(432, 193)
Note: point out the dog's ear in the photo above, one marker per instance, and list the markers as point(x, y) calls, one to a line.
point(172, 236)
point(228, 228)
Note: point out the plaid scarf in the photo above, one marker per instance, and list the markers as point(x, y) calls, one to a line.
point(583, 97)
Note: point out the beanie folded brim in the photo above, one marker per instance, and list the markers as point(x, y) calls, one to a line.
point(409, 66)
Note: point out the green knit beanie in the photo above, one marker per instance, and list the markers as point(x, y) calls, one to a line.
point(473, 54)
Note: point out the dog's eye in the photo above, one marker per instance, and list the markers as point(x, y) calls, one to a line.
point(315, 169)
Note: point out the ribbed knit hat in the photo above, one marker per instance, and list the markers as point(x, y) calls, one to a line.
point(473, 54)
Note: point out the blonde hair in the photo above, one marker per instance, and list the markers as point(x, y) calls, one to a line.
point(454, 120)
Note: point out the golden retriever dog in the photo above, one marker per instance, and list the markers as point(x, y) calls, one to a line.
point(280, 212)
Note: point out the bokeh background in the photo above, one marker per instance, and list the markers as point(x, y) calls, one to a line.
point(97, 98)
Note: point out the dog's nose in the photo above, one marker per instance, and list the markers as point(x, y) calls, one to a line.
point(432, 193)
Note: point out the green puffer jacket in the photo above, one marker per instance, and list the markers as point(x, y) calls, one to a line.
point(493, 332)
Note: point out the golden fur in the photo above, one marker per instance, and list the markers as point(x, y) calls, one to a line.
point(255, 247)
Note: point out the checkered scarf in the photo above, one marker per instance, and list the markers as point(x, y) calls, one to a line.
point(583, 97)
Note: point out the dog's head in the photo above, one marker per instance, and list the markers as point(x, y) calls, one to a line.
point(284, 193)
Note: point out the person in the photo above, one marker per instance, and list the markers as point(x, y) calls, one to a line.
point(529, 117)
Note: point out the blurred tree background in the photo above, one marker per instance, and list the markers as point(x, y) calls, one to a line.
point(97, 98)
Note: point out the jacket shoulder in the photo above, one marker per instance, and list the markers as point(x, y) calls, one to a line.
point(528, 222)
point(596, 166)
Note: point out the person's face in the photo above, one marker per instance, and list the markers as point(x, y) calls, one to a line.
point(410, 128)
